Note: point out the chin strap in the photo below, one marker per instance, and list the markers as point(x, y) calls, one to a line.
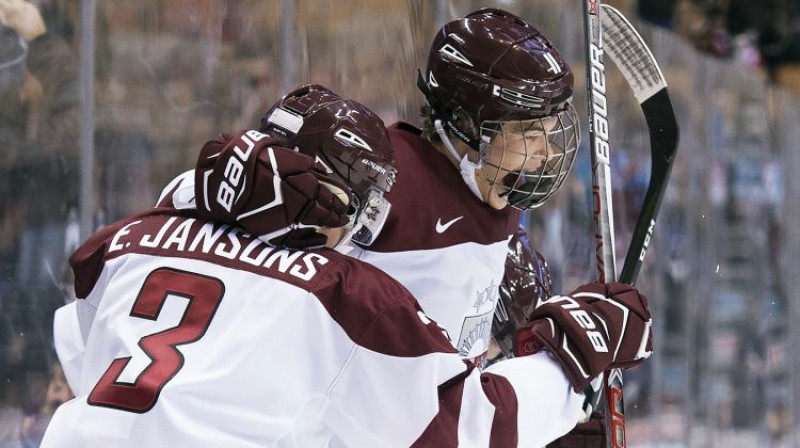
point(467, 166)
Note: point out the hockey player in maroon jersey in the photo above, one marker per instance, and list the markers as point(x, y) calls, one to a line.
point(199, 334)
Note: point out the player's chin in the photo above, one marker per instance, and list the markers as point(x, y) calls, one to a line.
point(493, 193)
point(497, 200)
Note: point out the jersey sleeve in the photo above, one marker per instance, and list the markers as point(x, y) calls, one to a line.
point(179, 193)
point(71, 326)
point(404, 366)
point(69, 344)
point(547, 404)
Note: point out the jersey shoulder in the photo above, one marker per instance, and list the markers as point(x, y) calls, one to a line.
point(432, 207)
point(376, 311)
point(168, 233)
point(88, 260)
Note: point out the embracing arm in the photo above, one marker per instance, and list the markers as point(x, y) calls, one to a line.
point(404, 385)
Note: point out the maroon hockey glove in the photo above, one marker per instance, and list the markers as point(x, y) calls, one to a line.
point(591, 434)
point(597, 327)
point(274, 193)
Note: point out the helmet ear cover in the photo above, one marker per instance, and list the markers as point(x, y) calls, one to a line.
point(450, 115)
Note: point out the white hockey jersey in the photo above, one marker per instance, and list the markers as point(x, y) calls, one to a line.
point(199, 335)
point(442, 243)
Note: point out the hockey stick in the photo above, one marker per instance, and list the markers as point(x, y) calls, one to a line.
point(603, 218)
point(639, 68)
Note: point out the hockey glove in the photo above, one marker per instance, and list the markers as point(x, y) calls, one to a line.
point(597, 327)
point(275, 193)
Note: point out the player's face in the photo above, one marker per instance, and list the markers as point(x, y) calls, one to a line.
point(334, 234)
point(517, 153)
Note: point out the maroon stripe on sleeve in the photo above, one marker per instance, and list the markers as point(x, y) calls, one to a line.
point(442, 432)
point(443, 429)
point(501, 394)
point(378, 313)
point(166, 201)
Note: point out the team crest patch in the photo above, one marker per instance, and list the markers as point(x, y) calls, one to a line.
point(477, 327)
point(475, 334)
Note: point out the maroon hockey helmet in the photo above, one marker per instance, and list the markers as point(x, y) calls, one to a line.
point(348, 139)
point(491, 68)
point(526, 282)
point(492, 65)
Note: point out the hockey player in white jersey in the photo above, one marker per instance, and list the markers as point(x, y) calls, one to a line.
point(499, 135)
point(199, 334)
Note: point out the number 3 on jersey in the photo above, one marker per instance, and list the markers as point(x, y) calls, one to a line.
point(204, 295)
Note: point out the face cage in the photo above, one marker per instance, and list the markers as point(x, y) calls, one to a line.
point(369, 217)
point(368, 207)
point(528, 160)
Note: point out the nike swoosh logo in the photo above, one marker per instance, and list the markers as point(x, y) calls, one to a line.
point(441, 228)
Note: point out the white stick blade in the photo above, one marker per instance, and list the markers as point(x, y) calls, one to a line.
point(630, 54)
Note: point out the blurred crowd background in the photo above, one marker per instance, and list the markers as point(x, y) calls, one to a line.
point(103, 102)
point(763, 35)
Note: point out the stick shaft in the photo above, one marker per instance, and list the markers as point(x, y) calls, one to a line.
point(603, 217)
point(638, 66)
point(663, 140)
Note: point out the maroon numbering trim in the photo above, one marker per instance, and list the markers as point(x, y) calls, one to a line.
point(204, 294)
